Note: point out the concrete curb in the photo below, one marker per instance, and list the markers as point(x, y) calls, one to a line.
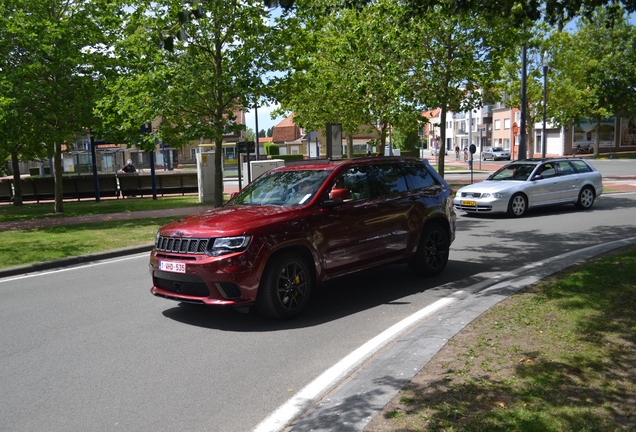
point(350, 403)
point(71, 261)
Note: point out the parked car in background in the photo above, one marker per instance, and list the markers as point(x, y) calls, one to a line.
point(521, 185)
point(300, 225)
point(495, 153)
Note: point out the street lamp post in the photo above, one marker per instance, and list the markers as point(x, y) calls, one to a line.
point(545, 86)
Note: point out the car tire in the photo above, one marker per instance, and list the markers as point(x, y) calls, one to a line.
point(586, 198)
point(518, 205)
point(285, 287)
point(432, 251)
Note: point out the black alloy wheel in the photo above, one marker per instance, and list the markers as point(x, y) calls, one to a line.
point(285, 288)
point(432, 252)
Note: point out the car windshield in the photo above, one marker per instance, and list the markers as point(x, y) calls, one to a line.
point(497, 149)
point(282, 188)
point(518, 171)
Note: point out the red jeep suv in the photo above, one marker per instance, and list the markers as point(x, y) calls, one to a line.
point(302, 224)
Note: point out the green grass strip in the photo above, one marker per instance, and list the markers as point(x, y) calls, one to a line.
point(82, 208)
point(22, 247)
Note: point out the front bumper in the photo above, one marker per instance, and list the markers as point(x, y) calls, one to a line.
point(228, 280)
point(494, 205)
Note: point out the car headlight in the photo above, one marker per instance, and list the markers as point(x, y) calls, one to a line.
point(492, 195)
point(226, 245)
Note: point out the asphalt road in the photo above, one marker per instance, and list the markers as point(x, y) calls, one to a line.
point(88, 348)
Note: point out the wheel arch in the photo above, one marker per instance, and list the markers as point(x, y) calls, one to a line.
point(525, 196)
point(297, 249)
point(438, 220)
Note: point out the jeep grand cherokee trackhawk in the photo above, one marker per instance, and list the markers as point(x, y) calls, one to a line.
point(300, 225)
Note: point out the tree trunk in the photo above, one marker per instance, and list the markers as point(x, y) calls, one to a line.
point(597, 136)
point(350, 146)
point(17, 187)
point(218, 172)
point(57, 173)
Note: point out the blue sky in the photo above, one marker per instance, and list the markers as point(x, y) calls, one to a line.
point(264, 119)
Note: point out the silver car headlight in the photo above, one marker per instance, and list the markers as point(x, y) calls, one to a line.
point(226, 245)
point(492, 195)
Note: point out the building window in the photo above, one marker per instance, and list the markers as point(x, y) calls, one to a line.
point(497, 124)
point(507, 123)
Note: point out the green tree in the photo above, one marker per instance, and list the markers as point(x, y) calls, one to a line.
point(458, 59)
point(350, 67)
point(198, 87)
point(406, 140)
point(509, 86)
point(593, 70)
point(554, 12)
point(54, 61)
point(381, 63)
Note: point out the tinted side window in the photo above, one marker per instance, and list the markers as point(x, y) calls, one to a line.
point(388, 180)
point(356, 180)
point(417, 176)
point(581, 166)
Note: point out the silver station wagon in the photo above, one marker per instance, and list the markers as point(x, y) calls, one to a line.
point(495, 153)
point(525, 184)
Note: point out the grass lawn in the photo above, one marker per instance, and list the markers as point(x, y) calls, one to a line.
point(90, 207)
point(28, 246)
point(51, 243)
point(557, 356)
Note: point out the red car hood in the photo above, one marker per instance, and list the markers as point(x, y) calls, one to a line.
point(231, 220)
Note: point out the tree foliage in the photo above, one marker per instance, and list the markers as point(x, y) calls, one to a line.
point(380, 63)
point(592, 70)
point(213, 72)
point(54, 62)
point(518, 12)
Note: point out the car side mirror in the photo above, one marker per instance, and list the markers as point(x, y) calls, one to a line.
point(340, 194)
